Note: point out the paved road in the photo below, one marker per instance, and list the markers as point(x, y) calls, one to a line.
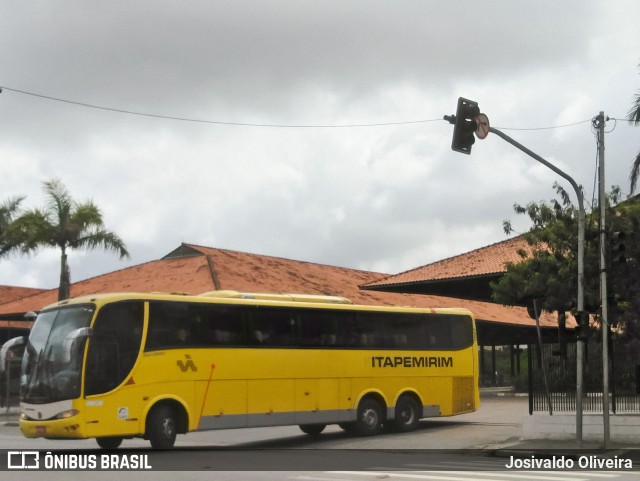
point(285, 453)
point(498, 419)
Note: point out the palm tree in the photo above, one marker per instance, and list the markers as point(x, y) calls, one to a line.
point(8, 209)
point(633, 117)
point(65, 224)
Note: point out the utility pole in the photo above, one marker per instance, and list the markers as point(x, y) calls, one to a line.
point(599, 120)
point(468, 118)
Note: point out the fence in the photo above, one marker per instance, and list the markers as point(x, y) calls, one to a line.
point(624, 378)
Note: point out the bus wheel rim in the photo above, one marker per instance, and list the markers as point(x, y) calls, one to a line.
point(370, 417)
point(407, 415)
point(168, 427)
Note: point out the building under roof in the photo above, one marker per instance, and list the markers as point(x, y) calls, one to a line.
point(195, 269)
point(466, 276)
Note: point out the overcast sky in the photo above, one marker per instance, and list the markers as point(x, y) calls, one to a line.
point(382, 198)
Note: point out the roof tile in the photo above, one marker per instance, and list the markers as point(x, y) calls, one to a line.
point(233, 270)
point(492, 259)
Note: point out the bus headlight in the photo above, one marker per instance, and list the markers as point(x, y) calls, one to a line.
point(67, 414)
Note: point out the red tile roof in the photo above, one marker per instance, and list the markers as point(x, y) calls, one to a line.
point(10, 293)
point(196, 269)
point(480, 262)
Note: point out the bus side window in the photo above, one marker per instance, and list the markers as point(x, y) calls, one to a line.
point(272, 327)
point(259, 337)
point(315, 328)
point(171, 326)
point(221, 337)
point(450, 332)
point(222, 325)
point(399, 340)
point(348, 335)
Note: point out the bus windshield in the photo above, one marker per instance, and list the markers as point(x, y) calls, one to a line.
point(52, 363)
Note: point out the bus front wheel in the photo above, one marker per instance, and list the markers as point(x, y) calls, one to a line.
point(312, 429)
point(109, 442)
point(162, 427)
point(349, 428)
point(370, 418)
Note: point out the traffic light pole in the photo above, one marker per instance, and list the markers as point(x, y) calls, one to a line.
point(580, 301)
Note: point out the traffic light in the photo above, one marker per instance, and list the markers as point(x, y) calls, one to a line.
point(464, 125)
point(618, 248)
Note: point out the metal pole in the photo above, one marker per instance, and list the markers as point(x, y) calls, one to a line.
point(542, 359)
point(603, 284)
point(7, 371)
point(580, 299)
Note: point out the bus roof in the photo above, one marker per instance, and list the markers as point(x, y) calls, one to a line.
point(277, 297)
point(237, 297)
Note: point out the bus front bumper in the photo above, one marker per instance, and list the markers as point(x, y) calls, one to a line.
point(65, 428)
point(54, 420)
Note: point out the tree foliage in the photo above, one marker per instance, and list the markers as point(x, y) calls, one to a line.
point(8, 210)
point(64, 224)
point(549, 272)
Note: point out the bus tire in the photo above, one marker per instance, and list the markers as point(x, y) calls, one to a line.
point(162, 427)
point(370, 418)
point(407, 415)
point(349, 428)
point(312, 429)
point(109, 442)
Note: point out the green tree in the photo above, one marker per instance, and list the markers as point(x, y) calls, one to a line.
point(8, 209)
point(549, 272)
point(65, 224)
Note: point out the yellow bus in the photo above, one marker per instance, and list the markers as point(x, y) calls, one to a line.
point(118, 366)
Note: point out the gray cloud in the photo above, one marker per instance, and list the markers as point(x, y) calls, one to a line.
point(386, 198)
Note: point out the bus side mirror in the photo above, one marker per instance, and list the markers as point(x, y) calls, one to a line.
point(77, 335)
point(6, 354)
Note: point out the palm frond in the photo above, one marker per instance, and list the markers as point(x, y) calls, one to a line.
point(33, 230)
point(109, 241)
point(635, 171)
point(633, 115)
point(86, 215)
point(7, 211)
point(59, 201)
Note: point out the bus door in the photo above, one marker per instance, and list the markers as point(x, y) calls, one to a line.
point(111, 407)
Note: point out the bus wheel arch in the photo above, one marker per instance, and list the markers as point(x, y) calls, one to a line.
point(371, 414)
point(164, 421)
point(408, 411)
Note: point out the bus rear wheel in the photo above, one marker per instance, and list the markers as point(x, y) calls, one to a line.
point(370, 418)
point(407, 414)
point(312, 429)
point(162, 427)
point(109, 442)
